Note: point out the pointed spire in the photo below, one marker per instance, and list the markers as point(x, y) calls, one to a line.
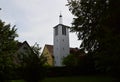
point(60, 18)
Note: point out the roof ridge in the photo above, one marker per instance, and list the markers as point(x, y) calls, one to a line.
point(49, 44)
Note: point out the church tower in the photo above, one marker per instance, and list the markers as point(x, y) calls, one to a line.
point(61, 42)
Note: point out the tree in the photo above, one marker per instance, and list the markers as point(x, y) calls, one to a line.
point(71, 60)
point(74, 58)
point(82, 61)
point(32, 69)
point(7, 48)
point(97, 25)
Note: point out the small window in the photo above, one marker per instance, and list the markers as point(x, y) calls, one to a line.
point(63, 30)
point(54, 62)
point(56, 31)
point(63, 49)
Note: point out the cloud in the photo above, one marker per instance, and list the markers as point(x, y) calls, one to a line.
point(35, 19)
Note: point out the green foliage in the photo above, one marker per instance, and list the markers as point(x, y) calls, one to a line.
point(97, 25)
point(75, 58)
point(83, 62)
point(71, 60)
point(7, 49)
point(31, 68)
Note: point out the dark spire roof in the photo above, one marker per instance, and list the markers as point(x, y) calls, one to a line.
point(60, 15)
point(60, 19)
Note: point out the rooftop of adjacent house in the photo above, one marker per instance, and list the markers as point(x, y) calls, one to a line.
point(19, 44)
point(50, 48)
point(72, 50)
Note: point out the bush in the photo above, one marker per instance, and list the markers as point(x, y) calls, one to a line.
point(68, 71)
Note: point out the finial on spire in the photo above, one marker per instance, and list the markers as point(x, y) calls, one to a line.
point(60, 18)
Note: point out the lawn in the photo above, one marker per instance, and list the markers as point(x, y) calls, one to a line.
point(80, 79)
point(77, 79)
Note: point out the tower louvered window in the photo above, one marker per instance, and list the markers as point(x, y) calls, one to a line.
point(63, 30)
point(56, 31)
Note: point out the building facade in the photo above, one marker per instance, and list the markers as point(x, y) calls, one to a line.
point(47, 54)
point(61, 42)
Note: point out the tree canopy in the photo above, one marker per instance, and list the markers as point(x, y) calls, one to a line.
point(7, 48)
point(97, 25)
point(32, 65)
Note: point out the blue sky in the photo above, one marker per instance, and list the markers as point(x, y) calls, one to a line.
point(35, 19)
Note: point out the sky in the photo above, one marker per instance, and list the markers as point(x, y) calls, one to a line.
point(35, 19)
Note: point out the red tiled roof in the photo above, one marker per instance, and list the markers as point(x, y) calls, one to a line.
point(50, 48)
point(74, 50)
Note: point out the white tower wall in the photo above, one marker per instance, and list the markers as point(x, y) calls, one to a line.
point(61, 44)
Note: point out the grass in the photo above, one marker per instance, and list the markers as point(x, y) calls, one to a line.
point(77, 79)
point(17, 81)
point(80, 79)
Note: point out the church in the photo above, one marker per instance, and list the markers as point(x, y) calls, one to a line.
point(55, 53)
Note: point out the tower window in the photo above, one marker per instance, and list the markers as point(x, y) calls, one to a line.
point(63, 30)
point(56, 31)
point(63, 48)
